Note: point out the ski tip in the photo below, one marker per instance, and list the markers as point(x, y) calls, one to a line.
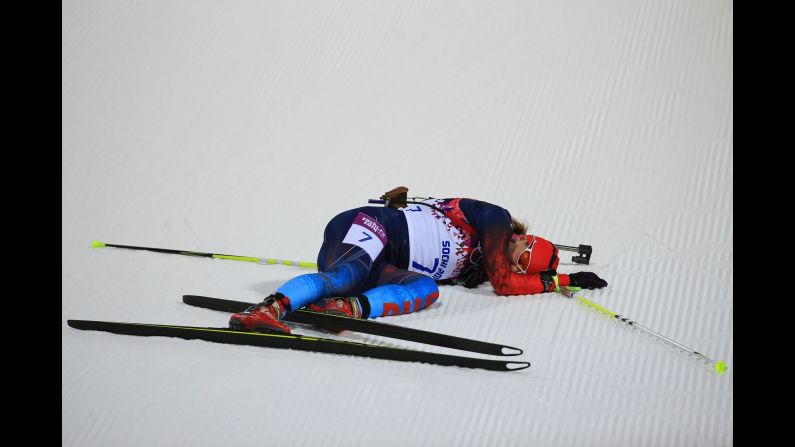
point(97, 244)
point(721, 367)
point(508, 350)
point(517, 366)
point(197, 299)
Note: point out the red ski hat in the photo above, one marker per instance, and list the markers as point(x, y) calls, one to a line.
point(540, 255)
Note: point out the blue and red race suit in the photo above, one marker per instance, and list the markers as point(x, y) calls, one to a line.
point(391, 259)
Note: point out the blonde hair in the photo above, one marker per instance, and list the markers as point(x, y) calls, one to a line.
point(518, 227)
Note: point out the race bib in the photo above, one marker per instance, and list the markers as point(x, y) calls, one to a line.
point(437, 248)
point(367, 233)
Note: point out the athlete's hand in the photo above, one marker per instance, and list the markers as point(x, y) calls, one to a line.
point(475, 277)
point(586, 280)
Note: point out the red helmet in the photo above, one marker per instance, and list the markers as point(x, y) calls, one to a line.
point(539, 255)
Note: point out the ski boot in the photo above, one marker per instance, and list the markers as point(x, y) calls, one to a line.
point(263, 317)
point(342, 307)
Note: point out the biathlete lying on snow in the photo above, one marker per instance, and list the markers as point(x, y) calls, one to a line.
point(380, 261)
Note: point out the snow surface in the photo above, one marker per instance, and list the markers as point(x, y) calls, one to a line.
point(242, 127)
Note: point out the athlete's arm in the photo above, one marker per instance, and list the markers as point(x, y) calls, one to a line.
point(493, 225)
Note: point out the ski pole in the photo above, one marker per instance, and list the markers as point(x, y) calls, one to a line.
point(263, 261)
point(719, 366)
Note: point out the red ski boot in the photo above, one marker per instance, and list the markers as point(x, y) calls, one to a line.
point(343, 307)
point(263, 317)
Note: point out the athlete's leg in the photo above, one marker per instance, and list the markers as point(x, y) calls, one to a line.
point(389, 291)
point(398, 291)
point(352, 245)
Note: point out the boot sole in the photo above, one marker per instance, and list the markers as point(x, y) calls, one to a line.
point(238, 326)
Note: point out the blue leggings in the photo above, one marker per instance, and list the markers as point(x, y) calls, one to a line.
point(347, 270)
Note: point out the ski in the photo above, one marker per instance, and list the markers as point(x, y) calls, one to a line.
point(297, 342)
point(334, 322)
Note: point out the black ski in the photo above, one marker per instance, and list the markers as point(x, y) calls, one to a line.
point(334, 322)
point(298, 342)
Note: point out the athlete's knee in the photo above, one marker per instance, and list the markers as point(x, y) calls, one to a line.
point(344, 276)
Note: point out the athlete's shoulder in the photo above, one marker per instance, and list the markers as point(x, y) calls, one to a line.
point(463, 201)
point(483, 215)
point(479, 205)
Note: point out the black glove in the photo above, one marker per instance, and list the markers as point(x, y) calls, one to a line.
point(475, 278)
point(470, 279)
point(586, 280)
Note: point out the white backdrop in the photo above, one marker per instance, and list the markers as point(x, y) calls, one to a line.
point(241, 127)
